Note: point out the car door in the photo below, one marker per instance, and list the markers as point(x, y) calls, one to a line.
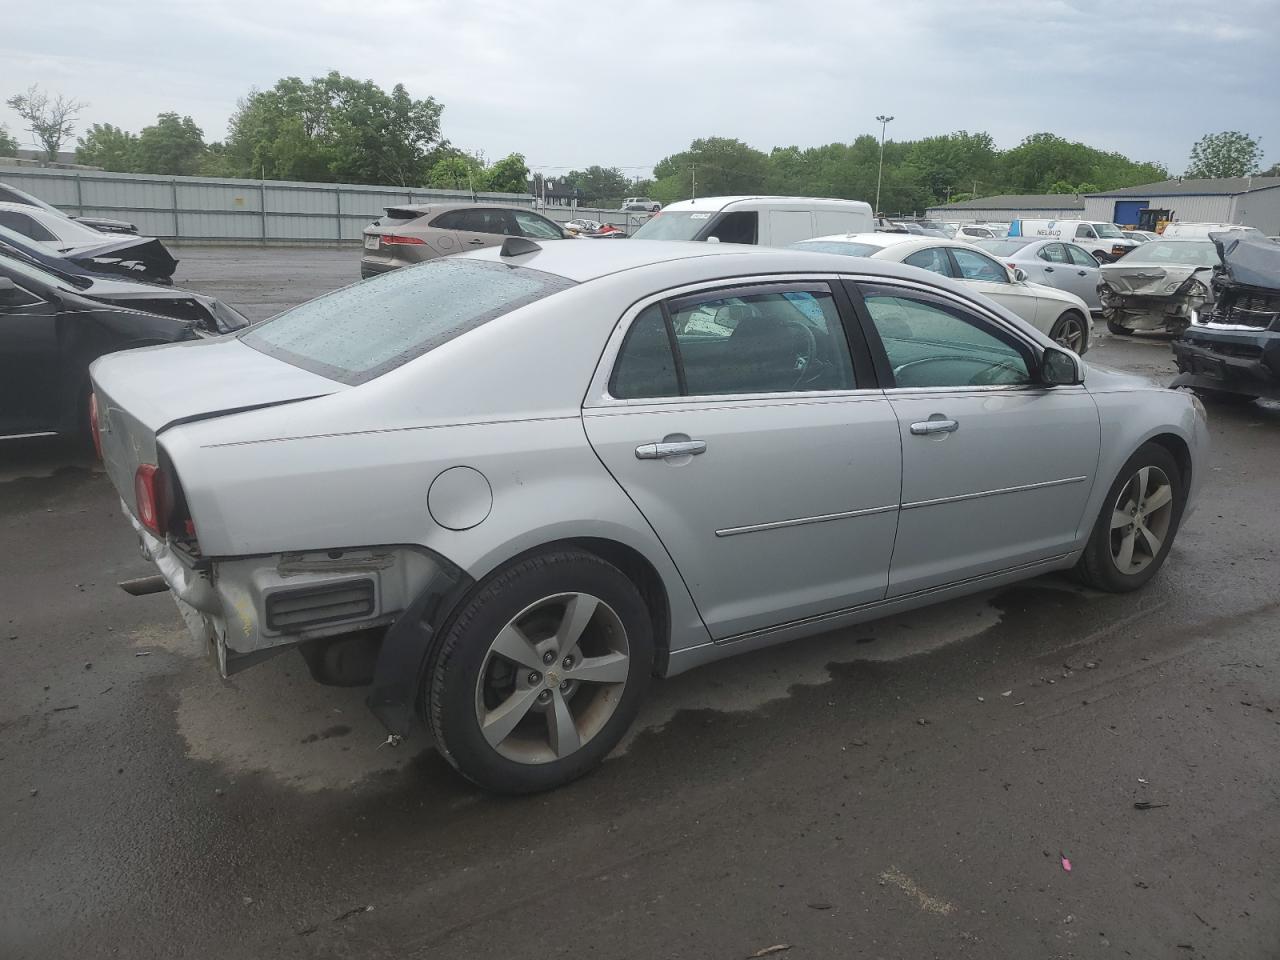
point(30, 372)
point(996, 467)
point(1049, 266)
point(1085, 273)
point(442, 233)
point(484, 227)
point(991, 278)
point(767, 462)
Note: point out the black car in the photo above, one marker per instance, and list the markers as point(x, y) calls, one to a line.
point(1232, 348)
point(53, 325)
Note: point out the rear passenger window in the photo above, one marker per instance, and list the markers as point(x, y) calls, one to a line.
point(449, 220)
point(934, 260)
point(1053, 252)
point(25, 225)
point(759, 340)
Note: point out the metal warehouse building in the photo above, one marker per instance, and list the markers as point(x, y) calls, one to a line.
point(1042, 206)
point(1249, 201)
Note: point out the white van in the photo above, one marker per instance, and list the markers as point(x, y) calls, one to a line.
point(768, 221)
point(1105, 241)
point(1201, 231)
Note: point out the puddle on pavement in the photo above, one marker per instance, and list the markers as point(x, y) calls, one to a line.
point(745, 683)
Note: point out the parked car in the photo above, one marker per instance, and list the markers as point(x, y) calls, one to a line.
point(411, 234)
point(138, 258)
point(582, 225)
point(643, 204)
point(1063, 316)
point(767, 221)
point(1052, 263)
point(1142, 235)
point(973, 232)
point(11, 194)
point(53, 325)
point(1231, 350)
point(1105, 241)
point(527, 479)
point(1179, 230)
point(1157, 287)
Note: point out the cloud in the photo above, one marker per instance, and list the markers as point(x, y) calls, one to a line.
point(569, 84)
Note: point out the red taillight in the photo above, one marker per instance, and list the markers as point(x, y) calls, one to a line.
point(94, 428)
point(148, 491)
point(391, 239)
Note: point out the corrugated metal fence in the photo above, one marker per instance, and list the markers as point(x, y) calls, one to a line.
point(196, 209)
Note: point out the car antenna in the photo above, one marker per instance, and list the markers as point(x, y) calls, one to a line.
point(516, 246)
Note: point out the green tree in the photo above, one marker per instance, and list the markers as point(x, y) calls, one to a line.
point(951, 162)
point(1227, 154)
point(108, 147)
point(508, 175)
point(457, 171)
point(334, 128)
point(598, 185)
point(1045, 159)
point(718, 166)
point(173, 145)
point(50, 121)
point(8, 145)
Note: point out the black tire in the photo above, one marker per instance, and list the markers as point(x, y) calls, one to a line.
point(1096, 566)
point(1115, 326)
point(1069, 319)
point(450, 687)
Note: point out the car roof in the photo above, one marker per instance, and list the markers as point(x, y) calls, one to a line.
point(584, 260)
point(719, 203)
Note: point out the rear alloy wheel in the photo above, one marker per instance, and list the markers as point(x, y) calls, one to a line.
point(1139, 519)
point(541, 673)
point(1071, 331)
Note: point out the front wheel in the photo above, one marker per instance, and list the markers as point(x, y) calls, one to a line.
point(1071, 331)
point(541, 673)
point(1138, 521)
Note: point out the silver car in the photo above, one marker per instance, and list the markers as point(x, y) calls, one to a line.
point(508, 489)
point(413, 233)
point(1053, 263)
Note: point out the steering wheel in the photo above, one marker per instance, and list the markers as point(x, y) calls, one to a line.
point(985, 376)
point(804, 362)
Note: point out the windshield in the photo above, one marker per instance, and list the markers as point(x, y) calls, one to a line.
point(360, 332)
point(847, 247)
point(1003, 247)
point(1198, 253)
point(1108, 230)
point(682, 225)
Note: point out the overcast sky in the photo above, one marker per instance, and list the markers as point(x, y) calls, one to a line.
point(574, 83)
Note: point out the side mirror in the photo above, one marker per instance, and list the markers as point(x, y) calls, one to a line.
point(1059, 369)
point(1019, 275)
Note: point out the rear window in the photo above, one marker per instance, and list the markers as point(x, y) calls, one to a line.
point(360, 332)
point(848, 248)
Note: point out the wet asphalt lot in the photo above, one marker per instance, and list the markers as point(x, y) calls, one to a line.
point(904, 789)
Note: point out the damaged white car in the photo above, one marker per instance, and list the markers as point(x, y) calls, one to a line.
point(1159, 286)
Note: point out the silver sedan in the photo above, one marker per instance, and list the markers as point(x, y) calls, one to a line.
point(1052, 263)
point(508, 489)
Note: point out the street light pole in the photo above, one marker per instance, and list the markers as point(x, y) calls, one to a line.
point(884, 122)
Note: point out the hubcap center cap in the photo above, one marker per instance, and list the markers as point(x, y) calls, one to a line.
point(553, 678)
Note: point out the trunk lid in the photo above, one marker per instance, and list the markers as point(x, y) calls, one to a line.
point(1147, 279)
point(141, 393)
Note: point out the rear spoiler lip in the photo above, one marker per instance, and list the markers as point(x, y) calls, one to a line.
point(229, 411)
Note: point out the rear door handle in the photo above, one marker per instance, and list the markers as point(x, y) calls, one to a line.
point(475, 243)
point(927, 427)
point(1082, 273)
point(676, 448)
point(1048, 269)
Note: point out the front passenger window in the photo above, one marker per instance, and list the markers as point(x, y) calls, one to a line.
point(934, 260)
point(931, 343)
point(978, 266)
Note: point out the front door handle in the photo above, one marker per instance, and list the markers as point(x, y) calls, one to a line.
point(1082, 273)
point(928, 427)
point(670, 448)
point(475, 243)
point(1048, 269)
